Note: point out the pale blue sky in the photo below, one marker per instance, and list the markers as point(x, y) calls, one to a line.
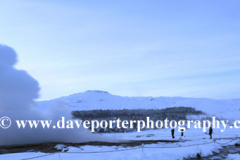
point(129, 48)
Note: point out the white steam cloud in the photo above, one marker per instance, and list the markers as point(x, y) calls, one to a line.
point(17, 93)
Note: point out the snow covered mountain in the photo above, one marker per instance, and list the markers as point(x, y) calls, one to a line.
point(93, 99)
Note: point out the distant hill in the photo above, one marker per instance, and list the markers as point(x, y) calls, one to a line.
point(93, 99)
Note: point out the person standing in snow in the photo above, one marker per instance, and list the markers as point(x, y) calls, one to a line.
point(210, 132)
point(181, 132)
point(172, 133)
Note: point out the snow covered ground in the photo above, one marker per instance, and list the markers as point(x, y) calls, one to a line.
point(193, 142)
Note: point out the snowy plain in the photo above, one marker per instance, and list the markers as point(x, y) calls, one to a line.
point(194, 140)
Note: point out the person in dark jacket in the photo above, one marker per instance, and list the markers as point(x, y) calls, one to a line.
point(181, 132)
point(172, 133)
point(210, 132)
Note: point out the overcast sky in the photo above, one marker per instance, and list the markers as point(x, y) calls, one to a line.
point(127, 47)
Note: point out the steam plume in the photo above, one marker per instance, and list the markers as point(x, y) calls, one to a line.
point(18, 90)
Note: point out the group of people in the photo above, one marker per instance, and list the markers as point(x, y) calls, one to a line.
point(210, 132)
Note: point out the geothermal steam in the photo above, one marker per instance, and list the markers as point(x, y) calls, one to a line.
point(17, 93)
